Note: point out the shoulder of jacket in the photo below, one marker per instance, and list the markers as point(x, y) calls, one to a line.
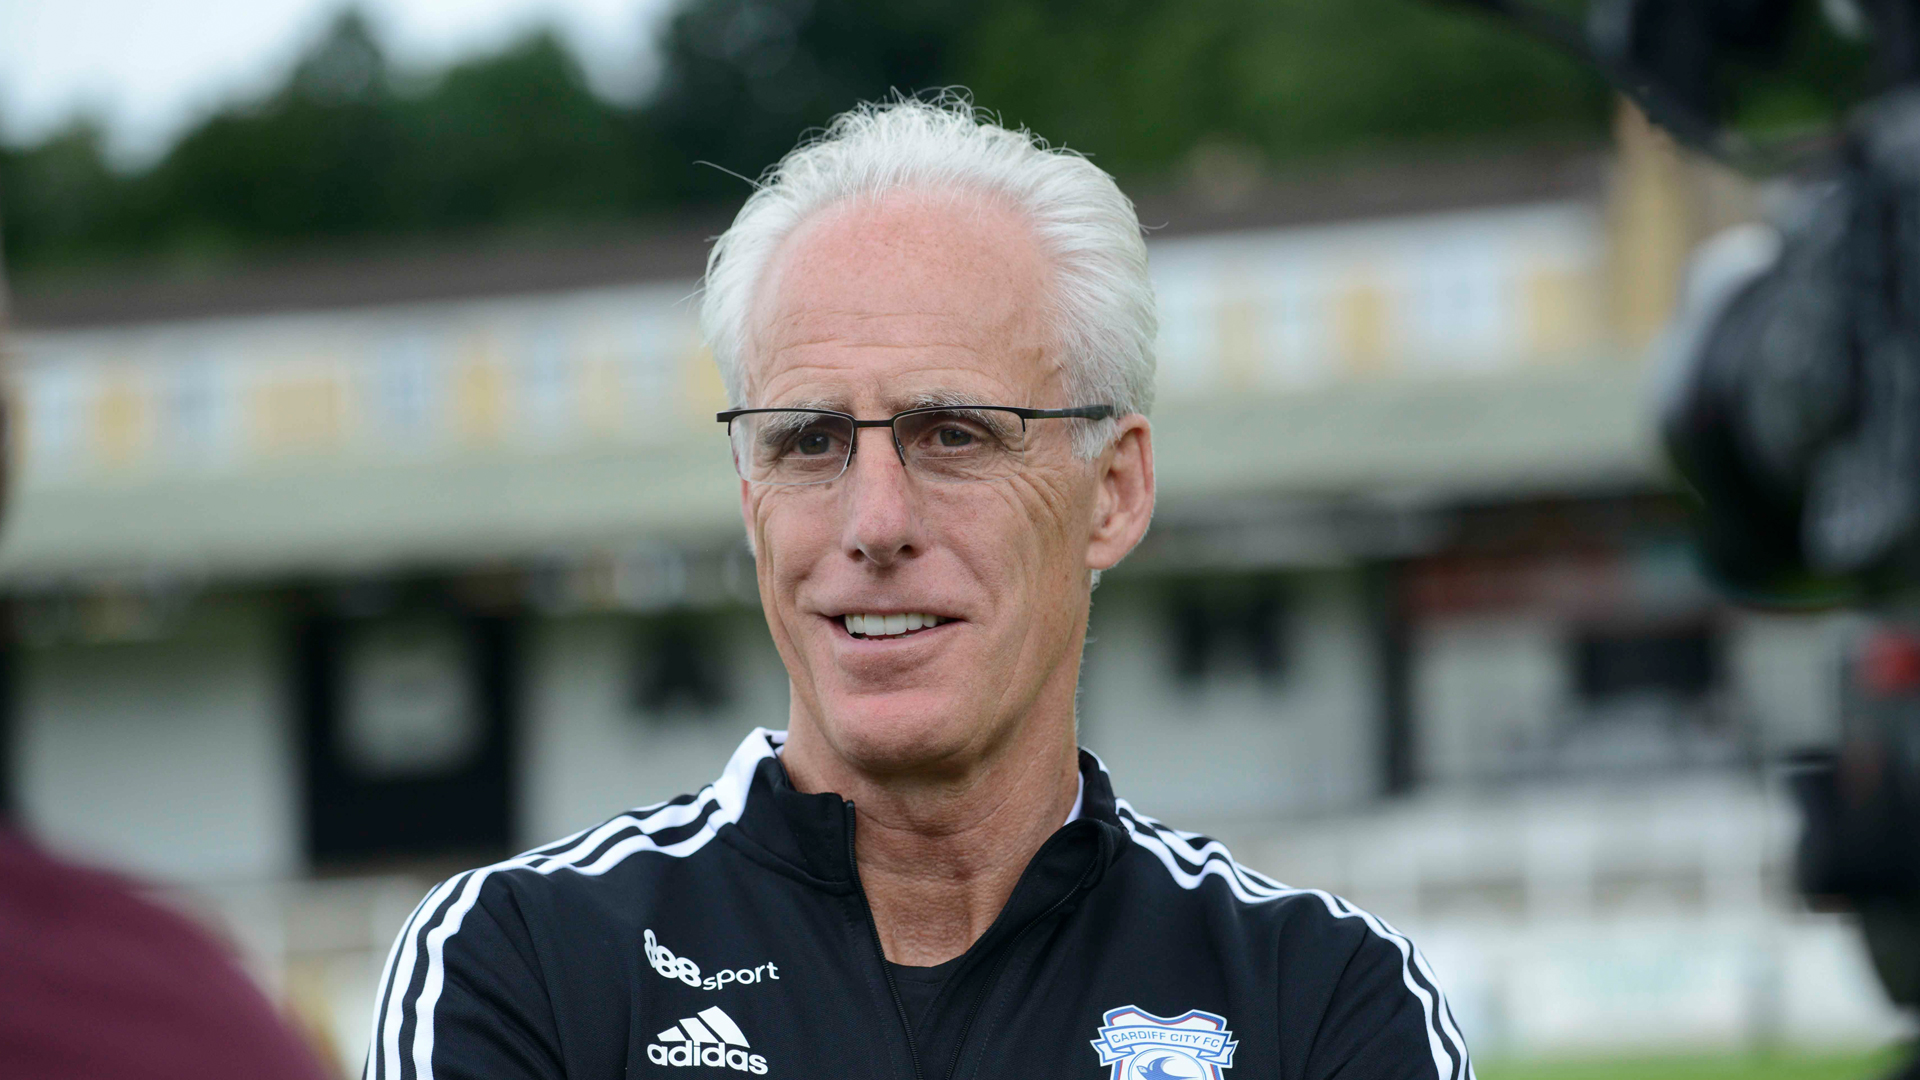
point(554, 872)
point(1349, 945)
point(1200, 864)
point(676, 828)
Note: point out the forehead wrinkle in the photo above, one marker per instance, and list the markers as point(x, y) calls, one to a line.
point(839, 399)
point(802, 354)
point(827, 403)
point(936, 396)
point(927, 345)
point(891, 227)
point(920, 399)
point(843, 375)
point(968, 329)
point(813, 298)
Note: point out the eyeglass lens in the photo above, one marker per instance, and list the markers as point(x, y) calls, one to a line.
point(795, 446)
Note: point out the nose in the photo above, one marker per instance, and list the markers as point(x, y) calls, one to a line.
point(879, 525)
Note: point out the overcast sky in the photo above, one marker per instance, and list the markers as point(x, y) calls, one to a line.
point(150, 67)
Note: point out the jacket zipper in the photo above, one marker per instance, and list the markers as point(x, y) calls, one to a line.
point(880, 951)
point(999, 964)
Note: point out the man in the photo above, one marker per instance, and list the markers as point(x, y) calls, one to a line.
point(922, 877)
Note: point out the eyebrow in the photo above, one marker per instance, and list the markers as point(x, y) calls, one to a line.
point(937, 397)
point(826, 404)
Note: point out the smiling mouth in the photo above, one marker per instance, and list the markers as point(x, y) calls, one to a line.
point(890, 627)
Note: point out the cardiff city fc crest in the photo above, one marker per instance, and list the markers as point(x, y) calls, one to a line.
point(1141, 1046)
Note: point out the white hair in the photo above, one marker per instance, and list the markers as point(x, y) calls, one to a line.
point(1101, 309)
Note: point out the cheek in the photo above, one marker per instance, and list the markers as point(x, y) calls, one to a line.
point(1054, 507)
point(1016, 538)
point(788, 539)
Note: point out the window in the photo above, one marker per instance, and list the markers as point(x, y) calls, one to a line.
point(1679, 663)
point(1227, 626)
point(680, 668)
point(1645, 699)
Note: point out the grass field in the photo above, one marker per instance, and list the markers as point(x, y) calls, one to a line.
point(1875, 1066)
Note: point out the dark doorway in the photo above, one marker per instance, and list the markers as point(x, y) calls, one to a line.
point(1679, 662)
point(1228, 624)
point(680, 667)
point(409, 722)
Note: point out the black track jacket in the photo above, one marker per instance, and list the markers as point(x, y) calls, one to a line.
point(725, 934)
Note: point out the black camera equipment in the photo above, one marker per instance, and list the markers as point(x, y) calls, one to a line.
point(1790, 397)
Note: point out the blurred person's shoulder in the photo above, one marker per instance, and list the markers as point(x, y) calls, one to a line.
point(96, 980)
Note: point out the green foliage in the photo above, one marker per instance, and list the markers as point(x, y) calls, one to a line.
point(313, 160)
point(1815, 76)
point(337, 153)
point(58, 195)
point(744, 78)
point(518, 139)
point(1141, 83)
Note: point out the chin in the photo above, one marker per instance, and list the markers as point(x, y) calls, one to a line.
point(899, 732)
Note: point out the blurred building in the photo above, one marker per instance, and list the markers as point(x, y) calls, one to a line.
point(328, 578)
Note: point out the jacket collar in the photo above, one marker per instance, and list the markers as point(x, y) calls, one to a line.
point(810, 833)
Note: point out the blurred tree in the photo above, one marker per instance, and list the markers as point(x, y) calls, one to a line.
point(742, 79)
point(1143, 83)
point(518, 138)
point(314, 160)
point(58, 198)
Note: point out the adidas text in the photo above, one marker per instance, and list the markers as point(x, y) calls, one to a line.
point(693, 1054)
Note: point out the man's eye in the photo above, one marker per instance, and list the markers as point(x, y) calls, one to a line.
point(813, 442)
point(952, 438)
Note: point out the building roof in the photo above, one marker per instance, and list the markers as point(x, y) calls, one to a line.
point(676, 249)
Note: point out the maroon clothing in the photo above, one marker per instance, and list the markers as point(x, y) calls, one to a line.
point(97, 982)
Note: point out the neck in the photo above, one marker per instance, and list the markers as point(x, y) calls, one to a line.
point(940, 853)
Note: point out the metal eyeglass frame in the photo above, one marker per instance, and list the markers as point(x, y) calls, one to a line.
point(1078, 412)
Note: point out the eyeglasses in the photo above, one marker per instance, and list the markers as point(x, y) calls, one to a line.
point(946, 443)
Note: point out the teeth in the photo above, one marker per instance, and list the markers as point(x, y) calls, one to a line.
point(890, 625)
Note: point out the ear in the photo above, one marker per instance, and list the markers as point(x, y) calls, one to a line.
point(1123, 501)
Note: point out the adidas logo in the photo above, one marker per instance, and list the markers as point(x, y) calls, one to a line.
point(709, 1037)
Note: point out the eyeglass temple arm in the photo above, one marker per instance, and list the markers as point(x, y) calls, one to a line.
point(1078, 412)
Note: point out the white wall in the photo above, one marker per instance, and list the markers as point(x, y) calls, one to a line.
point(1232, 748)
point(1785, 671)
point(589, 754)
point(1482, 684)
point(170, 758)
point(1641, 986)
point(1488, 685)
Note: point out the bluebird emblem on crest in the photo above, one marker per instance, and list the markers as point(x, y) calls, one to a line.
point(1141, 1046)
